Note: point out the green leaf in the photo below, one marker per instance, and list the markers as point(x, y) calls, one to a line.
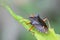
point(51, 35)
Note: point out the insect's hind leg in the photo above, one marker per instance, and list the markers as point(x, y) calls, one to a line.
point(46, 19)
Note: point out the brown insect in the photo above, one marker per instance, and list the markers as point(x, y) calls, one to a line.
point(38, 23)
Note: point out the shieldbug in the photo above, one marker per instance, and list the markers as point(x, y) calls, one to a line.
point(38, 23)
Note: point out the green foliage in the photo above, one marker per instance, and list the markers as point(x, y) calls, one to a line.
point(51, 35)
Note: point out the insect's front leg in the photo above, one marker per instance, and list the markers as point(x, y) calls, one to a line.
point(28, 23)
point(31, 26)
point(31, 29)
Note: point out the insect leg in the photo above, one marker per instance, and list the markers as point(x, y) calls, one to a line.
point(31, 28)
point(28, 23)
point(46, 19)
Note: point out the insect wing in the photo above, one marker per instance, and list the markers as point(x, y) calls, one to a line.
point(39, 28)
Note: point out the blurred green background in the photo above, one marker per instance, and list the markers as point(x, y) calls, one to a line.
point(12, 30)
